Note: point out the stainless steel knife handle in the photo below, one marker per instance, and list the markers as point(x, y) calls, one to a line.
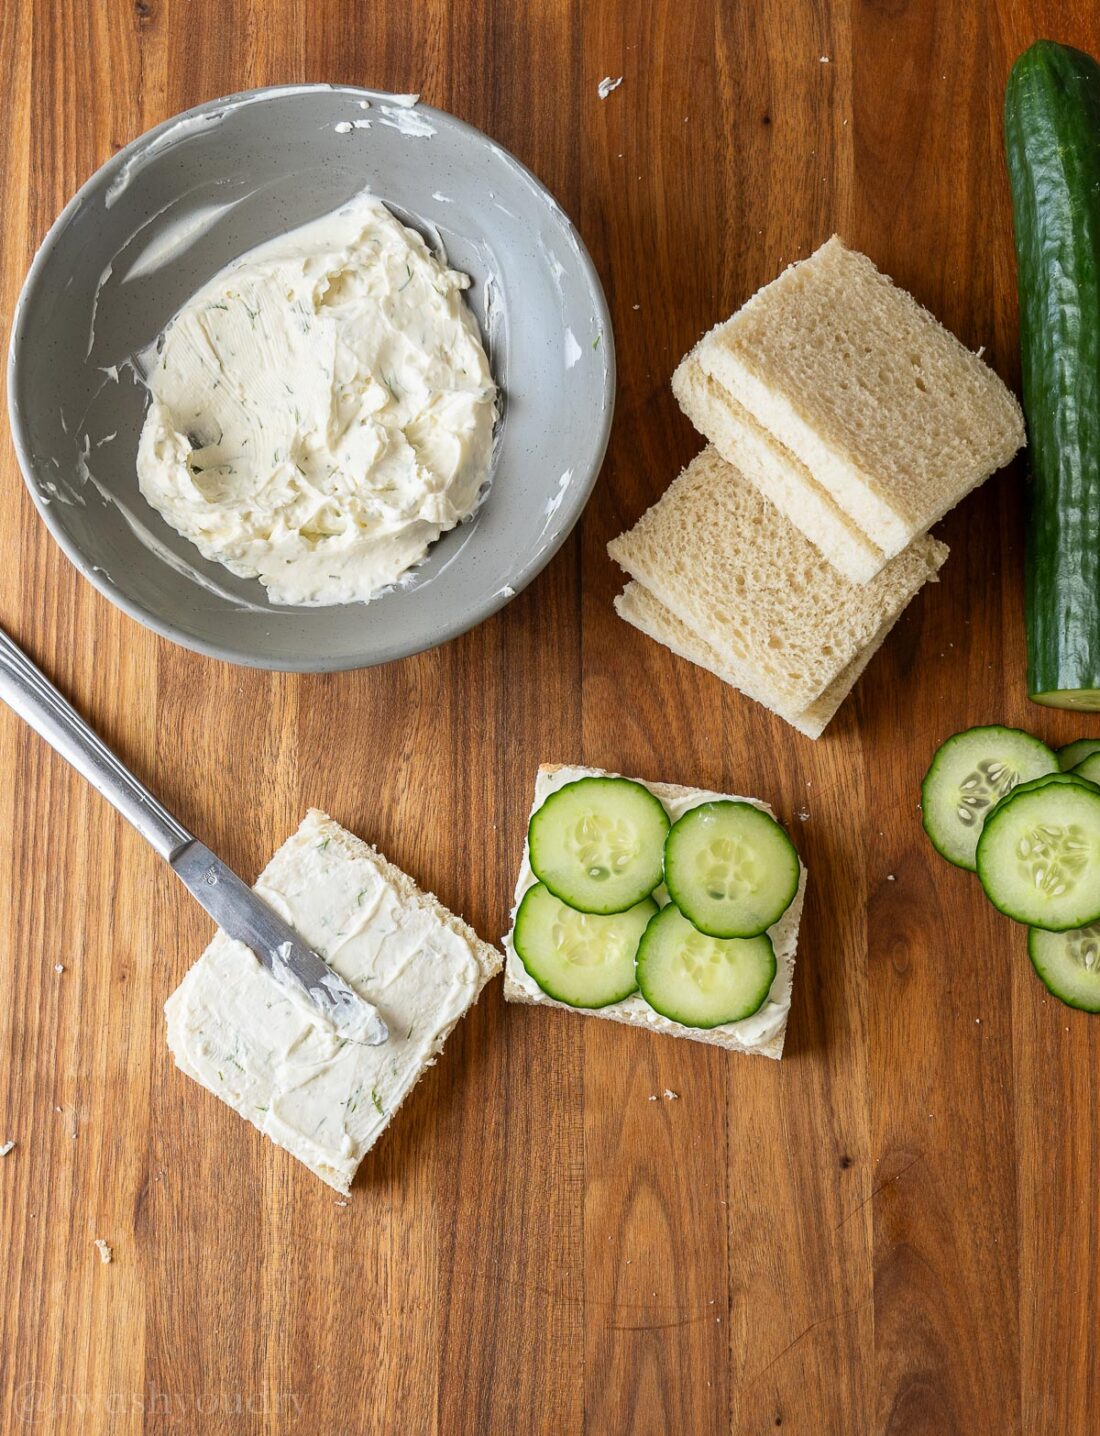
point(30, 693)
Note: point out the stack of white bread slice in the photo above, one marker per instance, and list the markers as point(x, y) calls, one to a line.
point(843, 421)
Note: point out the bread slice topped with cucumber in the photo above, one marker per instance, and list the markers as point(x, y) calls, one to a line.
point(671, 908)
point(1027, 821)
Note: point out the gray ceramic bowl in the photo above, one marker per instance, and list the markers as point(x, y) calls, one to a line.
point(171, 209)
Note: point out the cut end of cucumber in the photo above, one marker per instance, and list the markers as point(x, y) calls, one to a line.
point(969, 775)
point(702, 981)
point(1068, 964)
point(579, 958)
point(1083, 700)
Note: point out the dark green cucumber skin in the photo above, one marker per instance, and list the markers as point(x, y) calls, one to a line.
point(1048, 779)
point(1052, 140)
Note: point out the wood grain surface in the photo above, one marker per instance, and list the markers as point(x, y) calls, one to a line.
point(894, 1230)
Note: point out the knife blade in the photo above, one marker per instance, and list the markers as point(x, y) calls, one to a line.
point(242, 914)
point(232, 904)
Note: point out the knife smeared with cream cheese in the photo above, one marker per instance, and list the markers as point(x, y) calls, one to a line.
point(321, 410)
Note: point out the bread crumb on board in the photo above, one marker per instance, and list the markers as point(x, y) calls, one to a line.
point(6, 1148)
point(106, 1255)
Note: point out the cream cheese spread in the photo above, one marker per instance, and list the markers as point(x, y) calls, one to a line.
point(273, 1057)
point(321, 410)
point(764, 1029)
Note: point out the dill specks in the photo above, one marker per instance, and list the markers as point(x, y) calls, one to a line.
point(355, 1101)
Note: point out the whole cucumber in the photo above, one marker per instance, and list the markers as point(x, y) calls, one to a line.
point(1052, 140)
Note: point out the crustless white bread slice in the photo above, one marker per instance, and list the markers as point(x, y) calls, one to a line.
point(733, 570)
point(273, 1058)
point(776, 472)
point(762, 1033)
point(639, 607)
point(887, 409)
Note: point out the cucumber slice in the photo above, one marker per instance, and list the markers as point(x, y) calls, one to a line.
point(1039, 854)
point(579, 958)
point(1089, 768)
point(1077, 751)
point(1055, 780)
point(702, 981)
point(968, 776)
point(598, 843)
point(730, 869)
point(1069, 964)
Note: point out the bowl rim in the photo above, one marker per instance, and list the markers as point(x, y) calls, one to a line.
point(573, 505)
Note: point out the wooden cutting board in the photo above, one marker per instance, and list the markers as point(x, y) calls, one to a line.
point(895, 1229)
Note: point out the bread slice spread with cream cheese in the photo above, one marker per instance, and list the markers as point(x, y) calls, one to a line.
point(273, 1058)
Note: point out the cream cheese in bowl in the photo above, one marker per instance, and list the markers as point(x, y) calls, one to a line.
point(192, 204)
point(322, 409)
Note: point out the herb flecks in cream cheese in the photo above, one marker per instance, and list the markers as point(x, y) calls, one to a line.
point(272, 1056)
point(322, 410)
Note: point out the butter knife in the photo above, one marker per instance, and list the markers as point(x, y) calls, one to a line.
point(232, 904)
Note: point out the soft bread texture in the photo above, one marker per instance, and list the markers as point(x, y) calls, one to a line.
point(731, 568)
point(887, 409)
point(318, 829)
point(639, 607)
point(519, 986)
point(776, 472)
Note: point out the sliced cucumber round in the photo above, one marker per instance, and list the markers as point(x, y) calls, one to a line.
point(702, 981)
point(598, 843)
point(968, 776)
point(1089, 768)
point(1039, 853)
point(1069, 964)
point(730, 869)
point(1055, 780)
point(1075, 752)
point(579, 958)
